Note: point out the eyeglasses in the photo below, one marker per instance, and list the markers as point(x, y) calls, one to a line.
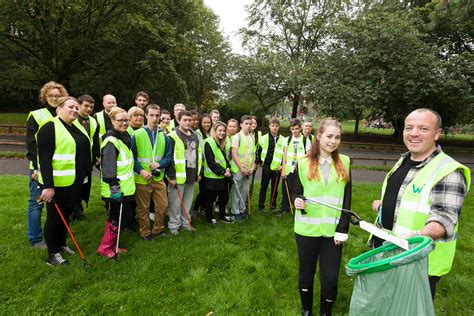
point(123, 121)
point(53, 96)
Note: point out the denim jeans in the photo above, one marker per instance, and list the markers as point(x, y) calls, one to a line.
point(33, 214)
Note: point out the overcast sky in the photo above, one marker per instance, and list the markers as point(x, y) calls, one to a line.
point(232, 17)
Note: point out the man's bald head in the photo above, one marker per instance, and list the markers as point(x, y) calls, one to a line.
point(109, 102)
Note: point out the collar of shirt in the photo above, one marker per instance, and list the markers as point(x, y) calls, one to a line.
point(323, 160)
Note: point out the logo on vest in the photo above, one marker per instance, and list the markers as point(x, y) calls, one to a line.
point(417, 190)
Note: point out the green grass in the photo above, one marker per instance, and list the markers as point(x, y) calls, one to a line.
point(12, 154)
point(237, 269)
point(13, 118)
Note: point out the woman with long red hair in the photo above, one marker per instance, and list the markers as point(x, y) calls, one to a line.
point(323, 175)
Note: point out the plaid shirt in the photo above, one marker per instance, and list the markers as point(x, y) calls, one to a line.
point(447, 196)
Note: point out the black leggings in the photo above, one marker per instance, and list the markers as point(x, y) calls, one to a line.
point(285, 199)
point(309, 250)
point(211, 196)
point(114, 213)
point(55, 231)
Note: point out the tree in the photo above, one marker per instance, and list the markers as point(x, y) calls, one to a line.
point(293, 33)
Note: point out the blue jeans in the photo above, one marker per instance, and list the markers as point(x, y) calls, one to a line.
point(33, 214)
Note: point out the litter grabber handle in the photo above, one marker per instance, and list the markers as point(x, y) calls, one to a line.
point(353, 216)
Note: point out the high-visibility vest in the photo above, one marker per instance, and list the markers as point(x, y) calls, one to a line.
point(228, 147)
point(92, 127)
point(218, 157)
point(180, 159)
point(414, 208)
point(130, 131)
point(101, 121)
point(64, 157)
point(243, 145)
point(124, 168)
point(277, 153)
point(320, 220)
point(290, 158)
point(40, 116)
point(171, 126)
point(146, 153)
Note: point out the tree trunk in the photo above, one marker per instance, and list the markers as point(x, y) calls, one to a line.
point(294, 111)
point(356, 127)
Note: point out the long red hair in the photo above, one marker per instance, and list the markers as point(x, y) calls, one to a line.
point(314, 154)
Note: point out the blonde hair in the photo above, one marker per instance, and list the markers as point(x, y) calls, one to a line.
point(134, 109)
point(115, 111)
point(51, 85)
point(220, 142)
point(314, 153)
point(63, 100)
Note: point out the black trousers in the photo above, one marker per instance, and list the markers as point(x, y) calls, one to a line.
point(268, 175)
point(200, 198)
point(285, 202)
point(310, 249)
point(55, 231)
point(211, 196)
point(114, 213)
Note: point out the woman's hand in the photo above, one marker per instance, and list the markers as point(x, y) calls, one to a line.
point(376, 205)
point(300, 204)
point(47, 195)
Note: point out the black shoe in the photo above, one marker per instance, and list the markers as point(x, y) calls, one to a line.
point(148, 238)
point(306, 313)
point(261, 209)
point(56, 260)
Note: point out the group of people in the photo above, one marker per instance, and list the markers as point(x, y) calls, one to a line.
point(150, 162)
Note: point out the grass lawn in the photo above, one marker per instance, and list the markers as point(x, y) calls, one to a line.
point(13, 118)
point(236, 269)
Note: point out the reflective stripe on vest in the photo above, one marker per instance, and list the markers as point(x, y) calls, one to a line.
point(92, 127)
point(243, 145)
point(180, 159)
point(124, 168)
point(218, 158)
point(64, 157)
point(415, 206)
point(300, 153)
point(146, 153)
point(320, 220)
point(101, 122)
point(40, 116)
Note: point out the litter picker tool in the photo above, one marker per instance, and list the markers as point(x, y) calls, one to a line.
point(289, 198)
point(86, 264)
point(191, 229)
point(118, 230)
point(368, 227)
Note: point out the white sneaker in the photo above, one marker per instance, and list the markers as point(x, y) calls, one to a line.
point(152, 217)
point(213, 221)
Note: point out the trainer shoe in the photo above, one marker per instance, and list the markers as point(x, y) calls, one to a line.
point(66, 249)
point(174, 232)
point(238, 218)
point(56, 260)
point(213, 221)
point(226, 220)
point(40, 245)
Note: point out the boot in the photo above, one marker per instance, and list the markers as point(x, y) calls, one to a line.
point(105, 248)
point(114, 236)
point(325, 307)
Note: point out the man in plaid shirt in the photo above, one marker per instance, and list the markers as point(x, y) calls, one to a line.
point(427, 185)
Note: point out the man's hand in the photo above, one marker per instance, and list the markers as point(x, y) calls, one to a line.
point(227, 173)
point(145, 174)
point(172, 183)
point(154, 165)
point(34, 176)
point(283, 174)
point(376, 204)
point(244, 171)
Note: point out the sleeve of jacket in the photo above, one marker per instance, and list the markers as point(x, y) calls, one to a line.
point(211, 160)
point(170, 170)
point(31, 146)
point(109, 164)
point(95, 145)
point(168, 155)
point(344, 220)
point(297, 189)
point(46, 147)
